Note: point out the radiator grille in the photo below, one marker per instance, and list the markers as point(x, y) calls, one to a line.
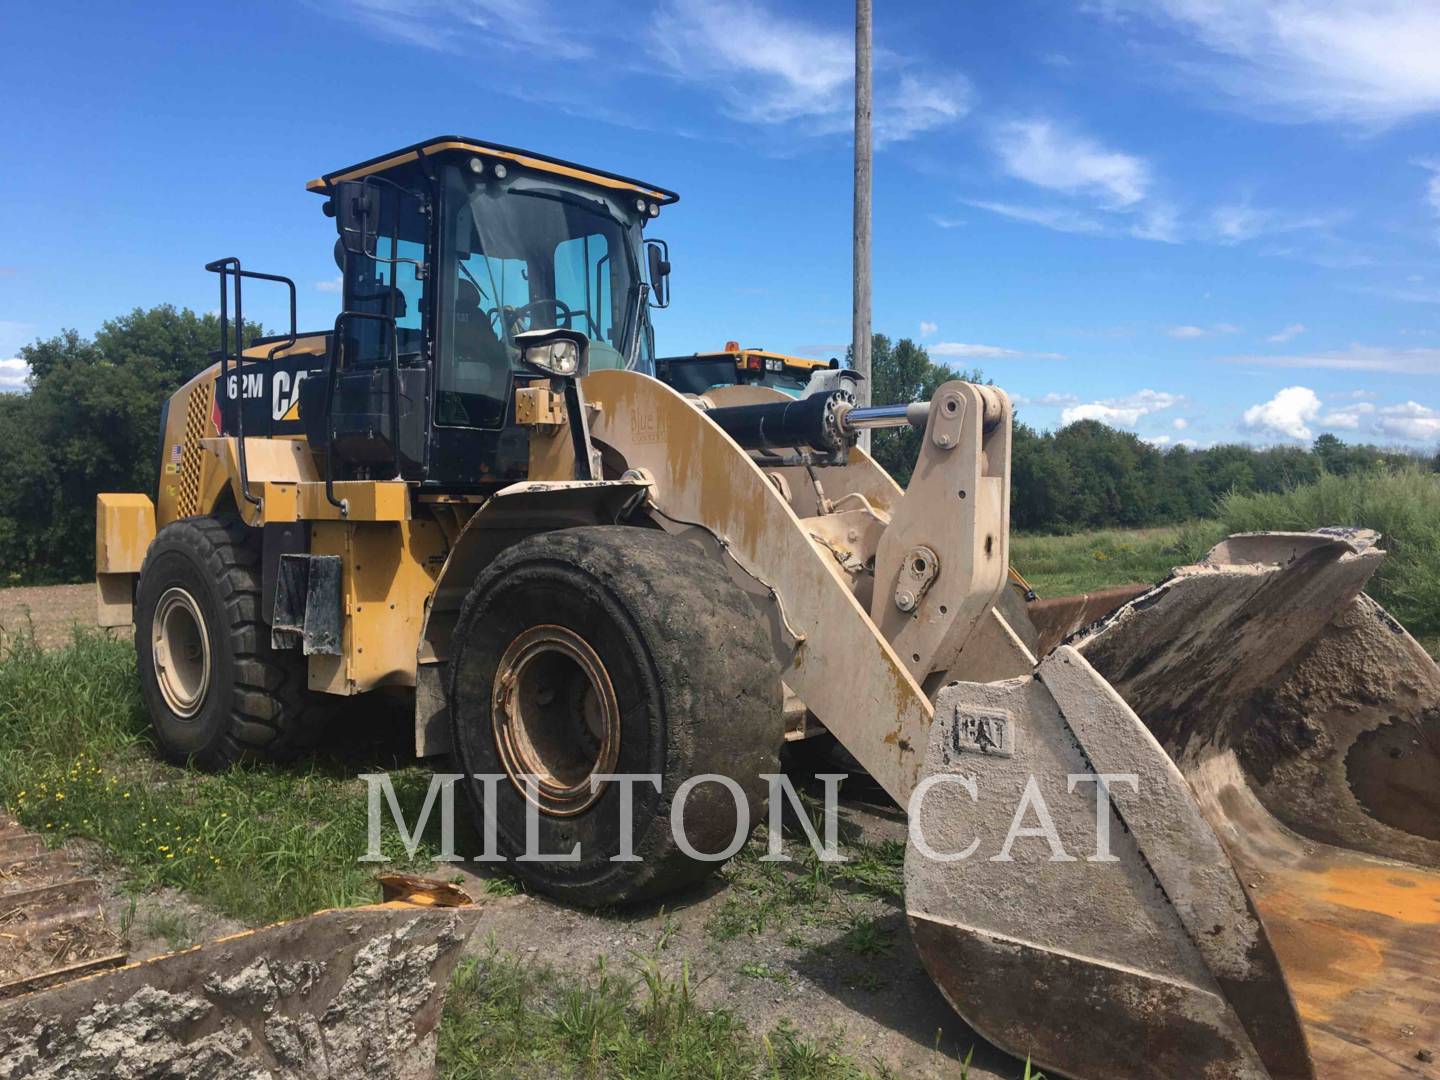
point(197, 418)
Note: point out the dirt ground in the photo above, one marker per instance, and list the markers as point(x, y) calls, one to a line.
point(882, 1008)
point(52, 610)
point(880, 1005)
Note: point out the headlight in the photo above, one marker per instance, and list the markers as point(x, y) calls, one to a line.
point(556, 352)
point(557, 357)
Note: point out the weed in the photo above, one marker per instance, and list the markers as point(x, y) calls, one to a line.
point(867, 937)
point(758, 970)
point(172, 927)
point(258, 843)
point(1061, 565)
point(505, 1019)
point(1403, 505)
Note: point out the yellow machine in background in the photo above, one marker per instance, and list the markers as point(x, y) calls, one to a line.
point(475, 489)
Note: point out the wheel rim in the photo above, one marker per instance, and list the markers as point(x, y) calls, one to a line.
point(180, 651)
point(556, 718)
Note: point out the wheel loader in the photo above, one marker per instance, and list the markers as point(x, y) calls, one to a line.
point(1186, 830)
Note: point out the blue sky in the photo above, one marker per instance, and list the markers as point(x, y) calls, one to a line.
point(1200, 220)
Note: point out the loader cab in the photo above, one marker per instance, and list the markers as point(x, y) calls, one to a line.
point(448, 250)
point(736, 366)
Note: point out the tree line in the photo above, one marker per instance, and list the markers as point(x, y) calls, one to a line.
point(1088, 475)
point(89, 421)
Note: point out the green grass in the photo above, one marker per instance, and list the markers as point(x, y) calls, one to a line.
point(172, 927)
point(805, 892)
point(1061, 565)
point(256, 843)
point(1403, 505)
point(509, 1019)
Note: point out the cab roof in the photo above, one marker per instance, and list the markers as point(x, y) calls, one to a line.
point(444, 144)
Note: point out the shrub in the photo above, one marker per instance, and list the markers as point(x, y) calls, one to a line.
point(1403, 505)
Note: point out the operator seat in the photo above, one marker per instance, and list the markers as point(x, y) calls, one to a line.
point(482, 363)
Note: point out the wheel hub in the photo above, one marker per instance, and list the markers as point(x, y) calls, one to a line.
point(556, 718)
point(180, 651)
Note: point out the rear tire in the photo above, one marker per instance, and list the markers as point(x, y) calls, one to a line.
point(215, 688)
point(619, 650)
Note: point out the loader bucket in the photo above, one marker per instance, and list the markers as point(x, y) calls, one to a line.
point(338, 994)
point(1270, 740)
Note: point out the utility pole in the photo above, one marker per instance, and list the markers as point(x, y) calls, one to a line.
point(860, 321)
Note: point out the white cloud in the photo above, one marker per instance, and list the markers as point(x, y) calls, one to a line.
point(13, 373)
point(1037, 152)
point(1432, 185)
point(918, 104)
point(1236, 223)
point(1417, 361)
point(1159, 222)
point(1411, 421)
point(945, 221)
point(1347, 417)
point(1060, 218)
point(1122, 411)
point(1296, 413)
point(1353, 395)
point(1191, 332)
point(455, 25)
point(1180, 423)
point(332, 285)
point(1287, 415)
point(1361, 61)
point(768, 69)
point(1288, 332)
point(1157, 441)
point(966, 351)
point(927, 328)
point(1051, 399)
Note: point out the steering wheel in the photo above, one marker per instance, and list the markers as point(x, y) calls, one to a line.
point(562, 311)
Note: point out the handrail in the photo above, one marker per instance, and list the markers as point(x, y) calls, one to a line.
point(225, 268)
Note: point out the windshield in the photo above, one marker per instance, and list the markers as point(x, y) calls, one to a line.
point(530, 253)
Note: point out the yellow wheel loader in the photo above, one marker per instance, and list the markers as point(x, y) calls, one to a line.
point(1192, 830)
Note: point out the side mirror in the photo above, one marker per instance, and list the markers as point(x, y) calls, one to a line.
point(658, 254)
point(357, 216)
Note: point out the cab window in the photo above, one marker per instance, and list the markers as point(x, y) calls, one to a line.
point(388, 285)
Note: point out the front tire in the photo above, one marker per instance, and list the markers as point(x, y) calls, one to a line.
point(612, 650)
point(216, 690)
